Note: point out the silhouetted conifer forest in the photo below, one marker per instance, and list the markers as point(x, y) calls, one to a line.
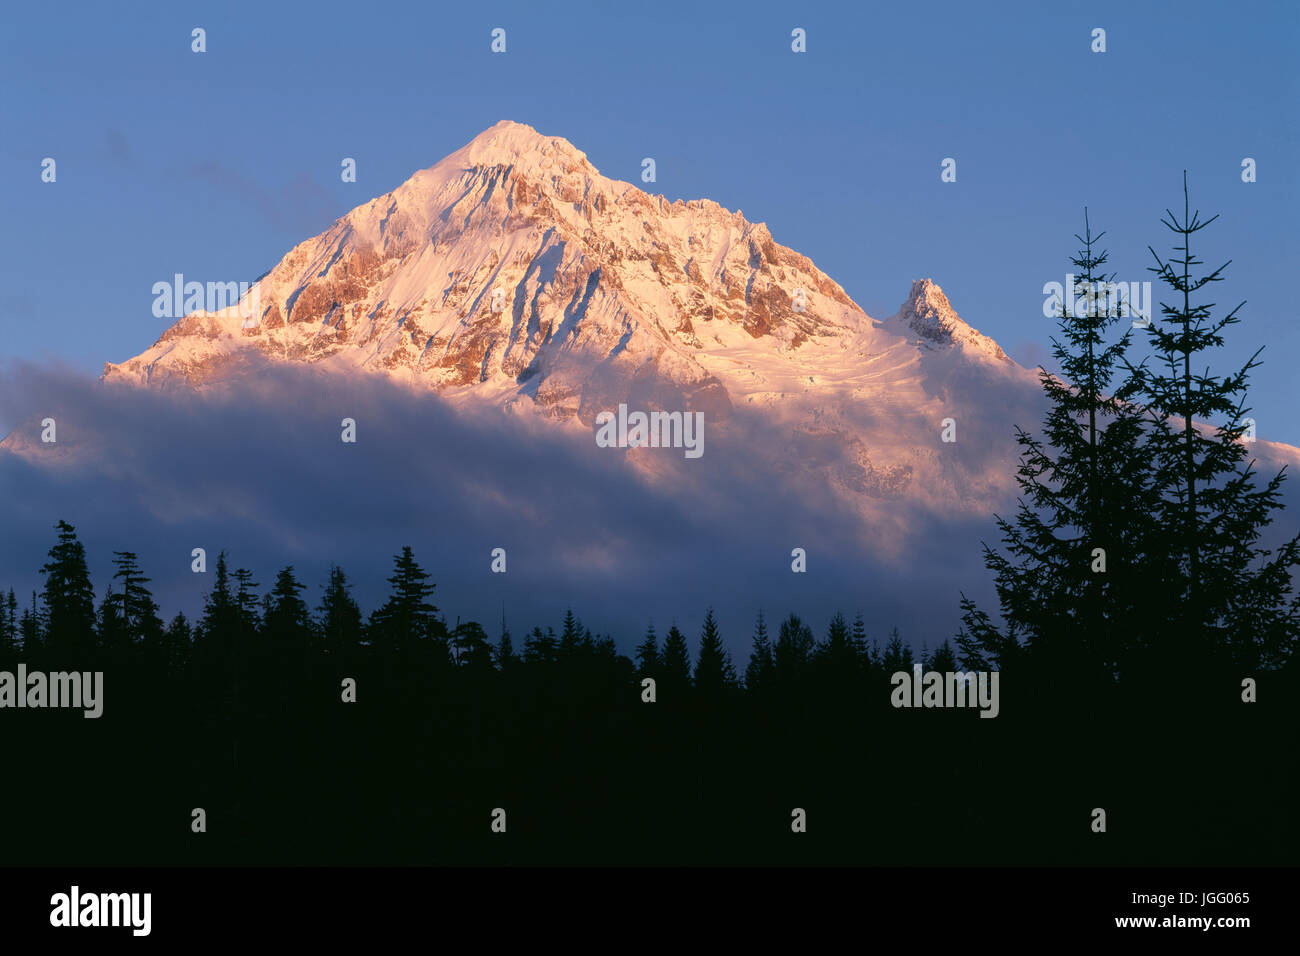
point(1145, 641)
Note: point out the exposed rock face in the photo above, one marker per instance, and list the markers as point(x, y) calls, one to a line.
point(928, 313)
point(514, 262)
point(513, 273)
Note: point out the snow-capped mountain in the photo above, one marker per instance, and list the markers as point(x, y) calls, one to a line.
point(513, 272)
point(512, 276)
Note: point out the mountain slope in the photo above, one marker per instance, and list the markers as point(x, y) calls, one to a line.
point(513, 272)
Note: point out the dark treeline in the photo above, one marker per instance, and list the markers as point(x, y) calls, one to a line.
point(1144, 639)
point(316, 731)
point(243, 713)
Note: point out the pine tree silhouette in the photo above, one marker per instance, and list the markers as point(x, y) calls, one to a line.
point(1087, 496)
point(675, 665)
point(9, 636)
point(178, 646)
point(339, 618)
point(69, 600)
point(540, 648)
point(897, 656)
point(505, 650)
point(135, 604)
point(470, 645)
point(714, 673)
point(1235, 602)
point(287, 628)
point(761, 669)
point(571, 636)
point(407, 617)
point(944, 659)
point(31, 630)
point(794, 649)
point(647, 654)
point(861, 650)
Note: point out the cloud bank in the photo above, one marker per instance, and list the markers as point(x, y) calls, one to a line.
point(259, 470)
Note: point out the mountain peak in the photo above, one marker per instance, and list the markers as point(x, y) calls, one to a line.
point(926, 295)
point(508, 143)
point(928, 313)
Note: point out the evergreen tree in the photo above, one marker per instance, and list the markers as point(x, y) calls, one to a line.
point(675, 662)
point(113, 636)
point(605, 649)
point(339, 616)
point(714, 672)
point(68, 598)
point(540, 648)
point(761, 668)
point(218, 650)
point(31, 629)
point(178, 645)
point(570, 636)
point(944, 659)
point(408, 616)
point(135, 604)
point(246, 602)
point(1234, 598)
point(470, 645)
point(1086, 503)
point(9, 628)
point(897, 657)
point(505, 649)
point(288, 631)
point(647, 654)
point(859, 641)
point(794, 649)
point(837, 656)
point(219, 610)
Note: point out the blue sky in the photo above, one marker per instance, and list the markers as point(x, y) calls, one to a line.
point(215, 164)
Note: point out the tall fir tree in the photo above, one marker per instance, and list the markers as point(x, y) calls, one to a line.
point(68, 598)
point(136, 608)
point(338, 617)
point(761, 668)
point(837, 656)
point(897, 656)
point(675, 663)
point(647, 654)
point(408, 616)
point(287, 625)
point(944, 658)
point(1083, 554)
point(504, 653)
point(246, 600)
point(861, 650)
point(113, 635)
point(178, 645)
point(571, 636)
point(219, 610)
point(9, 628)
point(794, 649)
point(1234, 600)
point(31, 631)
point(715, 675)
